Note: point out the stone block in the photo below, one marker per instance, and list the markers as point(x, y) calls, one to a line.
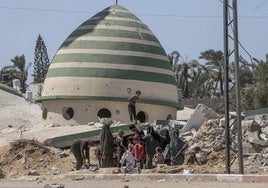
point(54, 185)
point(201, 114)
point(251, 125)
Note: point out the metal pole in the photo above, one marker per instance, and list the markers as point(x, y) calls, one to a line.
point(237, 78)
point(226, 91)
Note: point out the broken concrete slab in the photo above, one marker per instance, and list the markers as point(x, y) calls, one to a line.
point(92, 132)
point(201, 114)
point(263, 143)
point(251, 125)
point(54, 185)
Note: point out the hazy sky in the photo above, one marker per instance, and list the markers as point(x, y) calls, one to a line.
point(187, 26)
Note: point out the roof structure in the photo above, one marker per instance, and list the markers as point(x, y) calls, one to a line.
point(109, 49)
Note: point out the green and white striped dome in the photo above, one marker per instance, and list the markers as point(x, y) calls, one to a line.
point(107, 56)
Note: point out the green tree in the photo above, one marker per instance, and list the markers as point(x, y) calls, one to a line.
point(41, 61)
point(214, 63)
point(180, 68)
point(20, 64)
point(200, 82)
point(261, 84)
point(254, 94)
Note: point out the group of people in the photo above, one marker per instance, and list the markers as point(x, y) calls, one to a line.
point(130, 152)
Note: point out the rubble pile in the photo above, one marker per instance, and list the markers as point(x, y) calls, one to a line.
point(31, 158)
point(207, 145)
point(204, 134)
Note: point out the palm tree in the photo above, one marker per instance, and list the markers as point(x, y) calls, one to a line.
point(180, 68)
point(174, 62)
point(19, 63)
point(215, 66)
point(200, 84)
point(261, 84)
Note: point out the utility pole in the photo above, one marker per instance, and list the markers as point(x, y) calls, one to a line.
point(226, 92)
point(233, 24)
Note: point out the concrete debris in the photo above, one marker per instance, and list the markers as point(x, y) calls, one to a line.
point(164, 169)
point(55, 170)
point(251, 125)
point(206, 139)
point(33, 173)
point(201, 114)
point(2, 175)
point(54, 185)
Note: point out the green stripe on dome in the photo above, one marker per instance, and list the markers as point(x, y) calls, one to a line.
point(113, 46)
point(115, 59)
point(117, 23)
point(113, 33)
point(111, 73)
point(123, 14)
point(79, 97)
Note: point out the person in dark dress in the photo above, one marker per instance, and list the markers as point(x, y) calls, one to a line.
point(80, 150)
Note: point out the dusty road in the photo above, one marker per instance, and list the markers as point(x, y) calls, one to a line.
point(130, 184)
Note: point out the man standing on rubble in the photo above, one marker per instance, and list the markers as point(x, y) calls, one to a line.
point(132, 106)
point(80, 150)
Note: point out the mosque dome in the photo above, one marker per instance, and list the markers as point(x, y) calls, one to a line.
point(109, 57)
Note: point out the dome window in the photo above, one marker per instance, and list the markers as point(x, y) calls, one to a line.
point(169, 117)
point(44, 113)
point(68, 113)
point(104, 113)
point(142, 117)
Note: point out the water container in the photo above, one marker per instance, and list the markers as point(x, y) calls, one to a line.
point(29, 95)
point(16, 84)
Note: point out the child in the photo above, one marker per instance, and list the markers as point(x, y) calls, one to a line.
point(158, 157)
point(128, 158)
point(138, 151)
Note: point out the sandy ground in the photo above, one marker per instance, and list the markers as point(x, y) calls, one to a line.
point(131, 184)
point(23, 119)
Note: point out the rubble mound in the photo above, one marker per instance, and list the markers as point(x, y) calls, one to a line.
point(207, 149)
point(29, 157)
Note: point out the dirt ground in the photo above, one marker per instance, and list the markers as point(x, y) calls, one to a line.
point(133, 184)
point(29, 158)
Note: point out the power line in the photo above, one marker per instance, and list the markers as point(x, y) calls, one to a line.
point(45, 10)
point(139, 14)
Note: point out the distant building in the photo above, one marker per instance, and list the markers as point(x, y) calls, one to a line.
point(101, 64)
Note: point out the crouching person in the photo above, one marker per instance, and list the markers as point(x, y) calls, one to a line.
point(158, 157)
point(80, 150)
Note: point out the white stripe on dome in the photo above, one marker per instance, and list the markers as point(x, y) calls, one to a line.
point(117, 19)
point(111, 66)
point(113, 39)
point(112, 10)
point(112, 52)
point(108, 87)
point(123, 19)
point(112, 27)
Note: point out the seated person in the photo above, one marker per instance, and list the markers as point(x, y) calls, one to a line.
point(158, 157)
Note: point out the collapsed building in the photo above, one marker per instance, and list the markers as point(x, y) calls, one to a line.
point(101, 64)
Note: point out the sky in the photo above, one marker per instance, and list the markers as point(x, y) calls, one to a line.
point(187, 26)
